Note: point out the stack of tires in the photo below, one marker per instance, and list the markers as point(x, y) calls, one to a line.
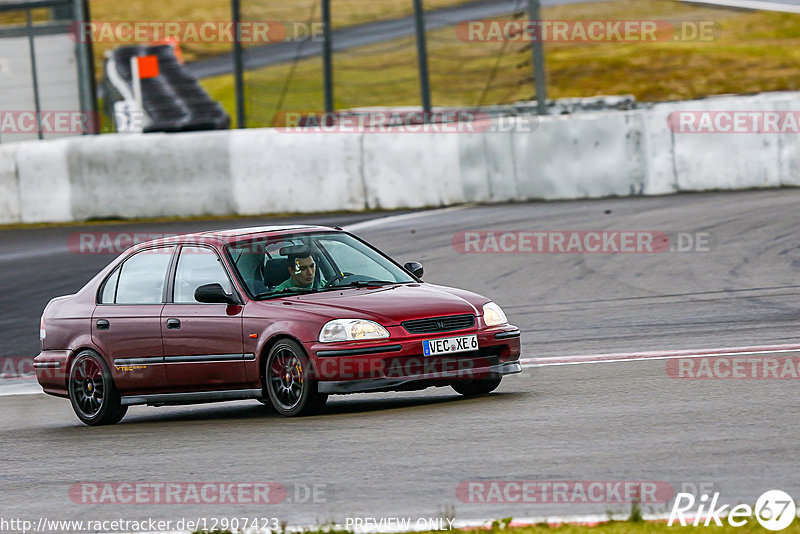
point(172, 101)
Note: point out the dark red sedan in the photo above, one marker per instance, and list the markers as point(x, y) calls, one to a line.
point(286, 315)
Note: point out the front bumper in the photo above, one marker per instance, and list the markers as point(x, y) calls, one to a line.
point(420, 381)
point(401, 358)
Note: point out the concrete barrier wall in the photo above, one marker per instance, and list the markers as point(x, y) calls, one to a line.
point(43, 180)
point(707, 161)
point(257, 171)
point(487, 167)
point(585, 156)
point(9, 186)
point(154, 175)
point(276, 172)
point(411, 170)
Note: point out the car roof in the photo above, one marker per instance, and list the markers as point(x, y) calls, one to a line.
point(254, 231)
point(221, 237)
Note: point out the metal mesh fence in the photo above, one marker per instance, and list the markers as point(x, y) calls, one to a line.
point(46, 87)
point(375, 60)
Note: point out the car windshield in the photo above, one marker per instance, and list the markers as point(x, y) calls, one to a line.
point(305, 263)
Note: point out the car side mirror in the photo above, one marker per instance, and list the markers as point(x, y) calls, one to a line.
point(213, 294)
point(415, 268)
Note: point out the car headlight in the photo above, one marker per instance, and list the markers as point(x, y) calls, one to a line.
point(351, 330)
point(493, 315)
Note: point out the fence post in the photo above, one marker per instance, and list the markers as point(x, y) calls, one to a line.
point(35, 75)
point(327, 58)
point(238, 64)
point(422, 59)
point(87, 85)
point(539, 74)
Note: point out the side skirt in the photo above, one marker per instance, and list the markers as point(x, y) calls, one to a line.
point(195, 397)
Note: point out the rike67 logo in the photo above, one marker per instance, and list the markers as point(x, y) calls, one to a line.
point(775, 510)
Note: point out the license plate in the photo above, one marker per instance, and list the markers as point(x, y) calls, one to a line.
point(449, 345)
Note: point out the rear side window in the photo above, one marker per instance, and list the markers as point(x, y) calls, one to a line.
point(110, 289)
point(140, 280)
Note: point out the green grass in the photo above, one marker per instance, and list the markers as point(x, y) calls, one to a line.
point(751, 52)
point(343, 13)
point(643, 527)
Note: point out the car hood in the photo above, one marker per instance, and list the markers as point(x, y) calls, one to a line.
point(389, 305)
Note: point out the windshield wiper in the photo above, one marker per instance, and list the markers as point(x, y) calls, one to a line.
point(363, 283)
point(286, 292)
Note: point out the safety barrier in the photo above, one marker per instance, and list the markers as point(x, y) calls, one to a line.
point(259, 171)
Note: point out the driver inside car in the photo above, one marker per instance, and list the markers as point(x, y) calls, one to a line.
point(302, 271)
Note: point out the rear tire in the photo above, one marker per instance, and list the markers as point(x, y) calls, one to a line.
point(92, 392)
point(470, 388)
point(287, 380)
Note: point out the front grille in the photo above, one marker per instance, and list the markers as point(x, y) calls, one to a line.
point(439, 324)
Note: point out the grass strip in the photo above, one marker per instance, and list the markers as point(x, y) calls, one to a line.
point(750, 52)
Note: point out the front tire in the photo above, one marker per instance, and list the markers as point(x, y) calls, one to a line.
point(287, 379)
point(92, 393)
point(470, 388)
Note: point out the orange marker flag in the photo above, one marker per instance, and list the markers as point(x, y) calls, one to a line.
point(148, 67)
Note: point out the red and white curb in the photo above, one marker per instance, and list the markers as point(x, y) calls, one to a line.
point(29, 386)
point(658, 355)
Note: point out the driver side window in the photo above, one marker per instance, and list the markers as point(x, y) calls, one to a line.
point(198, 266)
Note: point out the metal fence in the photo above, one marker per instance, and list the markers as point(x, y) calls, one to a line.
point(327, 55)
point(47, 87)
point(346, 54)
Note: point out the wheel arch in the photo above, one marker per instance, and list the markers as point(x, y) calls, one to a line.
point(74, 354)
point(264, 354)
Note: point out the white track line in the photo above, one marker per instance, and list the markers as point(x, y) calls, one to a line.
point(20, 386)
point(751, 4)
point(36, 253)
point(14, 386)
point(392, 219)
point(657, 355)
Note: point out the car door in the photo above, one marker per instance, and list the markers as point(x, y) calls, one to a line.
point(203, 344)
point(126, 324)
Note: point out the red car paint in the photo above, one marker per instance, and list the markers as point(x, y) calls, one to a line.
point(250, 328)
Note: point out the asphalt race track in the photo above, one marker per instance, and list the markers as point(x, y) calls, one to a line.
point(404, 455)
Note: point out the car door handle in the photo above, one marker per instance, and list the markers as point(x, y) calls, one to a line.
point(173, 324)
point(103, 324)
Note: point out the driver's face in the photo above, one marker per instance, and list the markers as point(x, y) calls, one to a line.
point(307, 271)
